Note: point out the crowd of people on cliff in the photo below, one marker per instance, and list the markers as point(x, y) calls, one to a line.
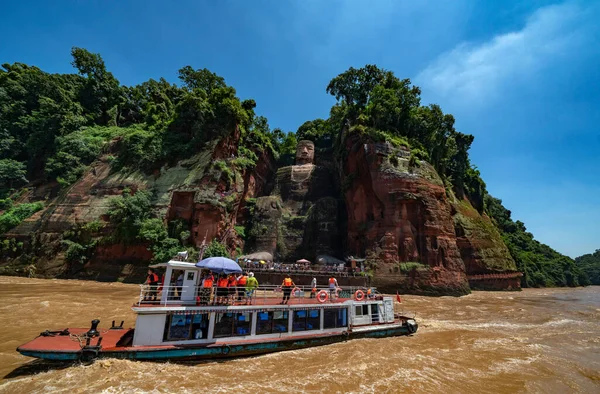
point(300, 268)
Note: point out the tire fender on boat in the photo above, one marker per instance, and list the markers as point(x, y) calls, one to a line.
point(411, 327)
point(322, 296)
point(345, 335)
point(359, 295)
point(226, 349)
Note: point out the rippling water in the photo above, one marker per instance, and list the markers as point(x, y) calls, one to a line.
point(539, 340)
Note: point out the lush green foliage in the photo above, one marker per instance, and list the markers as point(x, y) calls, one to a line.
point(215, 249)
point(131, 216)
point(16, 214)
point(55, 125)
point(541, 265)
point(12, 174)
point(590, 264)
point(128, 214)
point(376, 103)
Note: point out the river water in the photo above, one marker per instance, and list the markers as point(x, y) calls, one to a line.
point(537, 340)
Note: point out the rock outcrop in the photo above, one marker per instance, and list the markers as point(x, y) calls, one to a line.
point(398, 213)
point(488, 262)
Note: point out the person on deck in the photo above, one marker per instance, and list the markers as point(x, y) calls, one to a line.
point(251, 286)
point(152, 282)
point(207, 285)
point(333, 285)
point(179, 284)
point(231, 285)
point(242, 279)
point(286, 286)
point(222, 289)
point(313, 288)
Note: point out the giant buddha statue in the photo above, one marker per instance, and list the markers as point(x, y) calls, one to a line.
point(306, 210)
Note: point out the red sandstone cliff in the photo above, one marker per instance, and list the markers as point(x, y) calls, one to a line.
point(398, 212)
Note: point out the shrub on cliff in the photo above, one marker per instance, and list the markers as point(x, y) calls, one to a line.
point(127, 213)
point(215, 249)
point(15, 215)
point(12, 174)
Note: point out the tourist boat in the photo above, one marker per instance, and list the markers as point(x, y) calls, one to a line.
point(182, 325)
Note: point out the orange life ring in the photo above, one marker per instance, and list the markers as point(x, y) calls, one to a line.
point(322, 296)
point(359, 295)
point(294, 290)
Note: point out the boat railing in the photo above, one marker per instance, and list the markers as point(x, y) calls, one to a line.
point(240, 295)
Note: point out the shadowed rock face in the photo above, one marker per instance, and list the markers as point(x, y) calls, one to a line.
point(301, 218)
point(398, 212)
point(482, 249)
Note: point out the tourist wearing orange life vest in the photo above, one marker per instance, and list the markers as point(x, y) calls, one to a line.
point(241, 285)
point(222, 289)
point(333, 284)
point(231, 287)
point(207, 285)
point(287, 285)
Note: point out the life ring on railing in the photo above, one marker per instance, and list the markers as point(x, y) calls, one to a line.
point(296, 292)
point(322, 296)
point(359, 295)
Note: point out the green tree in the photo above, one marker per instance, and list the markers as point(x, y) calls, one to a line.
point(215, 249)
point(101, 91)
point(128, 213)
point(12, 174)
point(589, 264)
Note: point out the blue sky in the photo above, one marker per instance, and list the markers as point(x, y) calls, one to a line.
point(523, 77)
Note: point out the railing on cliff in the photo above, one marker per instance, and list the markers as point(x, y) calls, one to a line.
point(504, 275)
point(346, 273)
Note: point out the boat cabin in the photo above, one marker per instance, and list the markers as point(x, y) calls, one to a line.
point(210, 324)
point(177, 318)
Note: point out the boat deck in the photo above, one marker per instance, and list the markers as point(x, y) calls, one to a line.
point(267, 301)
point(73, 344)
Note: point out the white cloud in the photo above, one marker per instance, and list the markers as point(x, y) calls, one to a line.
point(473, 72)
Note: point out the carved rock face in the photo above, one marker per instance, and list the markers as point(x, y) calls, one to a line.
point(305, 152)
point(400, 213)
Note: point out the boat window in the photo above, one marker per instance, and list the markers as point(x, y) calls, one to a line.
point(361, 310)
point(334, 318)
point(183, 327)
point(232, 324)
point(305, 320)
point(271, 322)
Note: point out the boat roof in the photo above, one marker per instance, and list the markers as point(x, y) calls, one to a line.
point(176, 264)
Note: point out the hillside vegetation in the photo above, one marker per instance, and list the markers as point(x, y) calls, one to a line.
point(53, 126)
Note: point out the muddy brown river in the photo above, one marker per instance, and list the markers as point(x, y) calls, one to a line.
point(538, 340)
